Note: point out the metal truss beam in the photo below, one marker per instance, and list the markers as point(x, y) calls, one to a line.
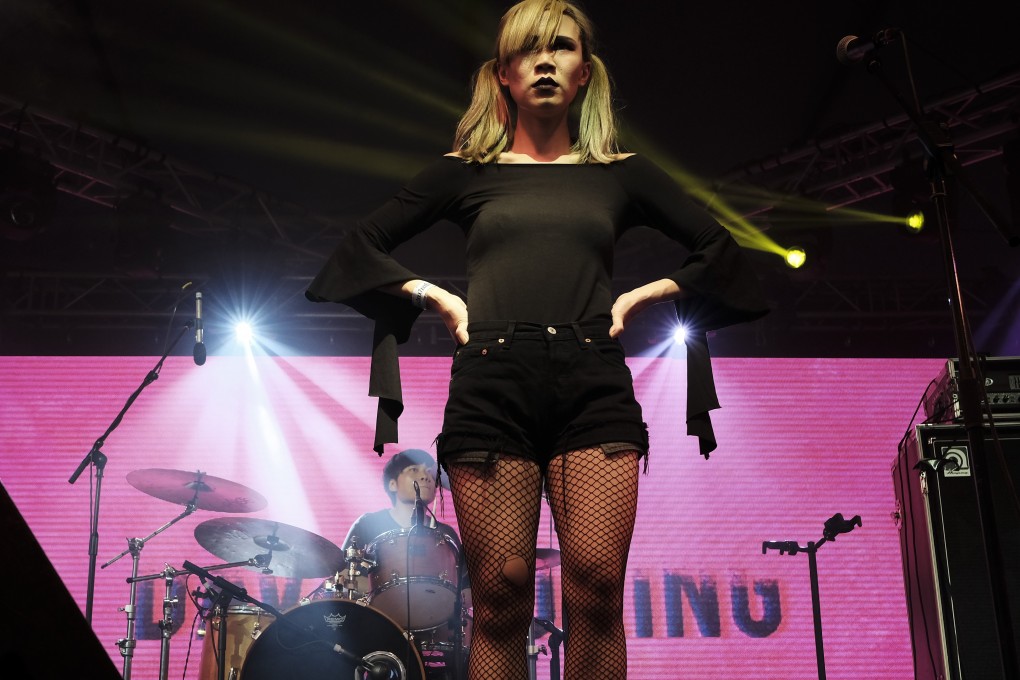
point(854, 166)
point(106, 170)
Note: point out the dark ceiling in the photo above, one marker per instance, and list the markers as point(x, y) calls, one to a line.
point(230, 142)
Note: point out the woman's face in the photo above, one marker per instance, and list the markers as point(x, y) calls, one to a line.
point(544, 82)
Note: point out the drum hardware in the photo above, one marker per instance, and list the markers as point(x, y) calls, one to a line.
point(327, 587)
point(135, 545)
point(358, 563)
point(545, 558)
point(534, 650)
point(303, 625)
point(166, 624)
point(540, 627)
point(127, 644)
point(196, 491)
point(447, 646)
point(344, 583)
point(286, 550)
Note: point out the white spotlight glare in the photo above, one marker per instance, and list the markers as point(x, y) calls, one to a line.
point(679, 335)
point(243, 332)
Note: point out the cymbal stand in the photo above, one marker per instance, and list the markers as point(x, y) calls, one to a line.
point(834, 525)
point(166, 624)
point(135, 545)
point(533, 651)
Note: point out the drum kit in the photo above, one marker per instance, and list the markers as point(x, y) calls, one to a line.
point(394, 610)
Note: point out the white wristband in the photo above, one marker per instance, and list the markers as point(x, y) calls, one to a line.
point(419, 297)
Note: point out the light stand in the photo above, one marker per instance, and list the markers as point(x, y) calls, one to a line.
point(834, 525)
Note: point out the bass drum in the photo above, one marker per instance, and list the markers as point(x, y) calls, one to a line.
point(301, 645)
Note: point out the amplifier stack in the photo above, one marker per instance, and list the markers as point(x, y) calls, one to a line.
point(954, 632)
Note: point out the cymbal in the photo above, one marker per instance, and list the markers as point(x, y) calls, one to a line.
point(207, 492)
point(291, 551)
point(547, 558)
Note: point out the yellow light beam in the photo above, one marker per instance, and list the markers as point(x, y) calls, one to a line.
point(328, 55)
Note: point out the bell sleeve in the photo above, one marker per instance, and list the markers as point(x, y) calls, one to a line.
point(719, 287)
point(362, 263)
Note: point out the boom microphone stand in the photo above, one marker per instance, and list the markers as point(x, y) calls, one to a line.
point(98, 459)
point(942, 162)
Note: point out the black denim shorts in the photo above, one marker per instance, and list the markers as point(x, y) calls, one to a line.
point(539, 391)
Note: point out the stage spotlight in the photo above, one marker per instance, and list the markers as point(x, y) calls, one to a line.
point(244, 333)
point(795, 257)
point(680, 335)
point(914, 221)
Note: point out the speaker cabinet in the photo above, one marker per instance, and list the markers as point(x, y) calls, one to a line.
point(43, 635)
point(945, 569)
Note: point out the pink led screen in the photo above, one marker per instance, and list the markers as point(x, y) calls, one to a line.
point(800, 440)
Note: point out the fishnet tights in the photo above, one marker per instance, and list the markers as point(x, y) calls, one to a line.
point(594, 500)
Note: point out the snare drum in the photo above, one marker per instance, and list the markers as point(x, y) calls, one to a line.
point(415, 580)
point(244, 625)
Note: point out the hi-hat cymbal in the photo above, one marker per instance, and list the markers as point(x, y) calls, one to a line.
point(547, 558)
point(207, 492)
point(291, 551)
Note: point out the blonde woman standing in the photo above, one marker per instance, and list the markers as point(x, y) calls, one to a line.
point(541, 398)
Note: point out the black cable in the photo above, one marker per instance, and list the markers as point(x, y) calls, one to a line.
point(191, 639)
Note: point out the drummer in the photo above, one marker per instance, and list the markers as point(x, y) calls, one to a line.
point(399, 476)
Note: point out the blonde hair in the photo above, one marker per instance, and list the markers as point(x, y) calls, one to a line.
point(487, 127)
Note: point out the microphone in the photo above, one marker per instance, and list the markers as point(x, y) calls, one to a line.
point(199, 351)
point(852, 49)
point(225, 586)
point(419, 508)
